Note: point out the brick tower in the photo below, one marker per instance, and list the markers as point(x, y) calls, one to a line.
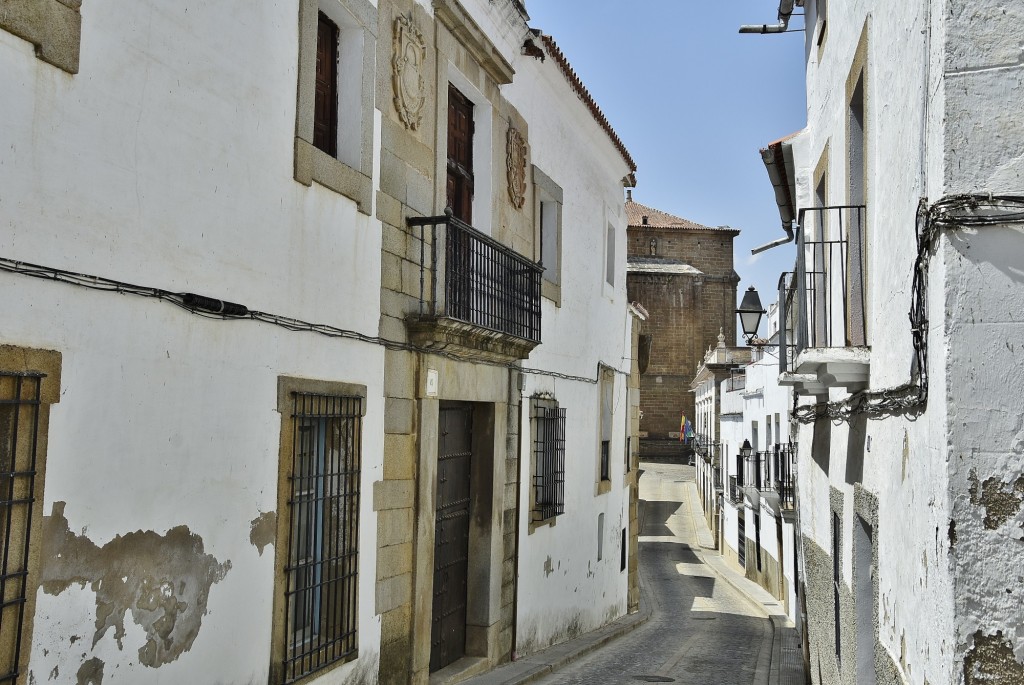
point(682, 273)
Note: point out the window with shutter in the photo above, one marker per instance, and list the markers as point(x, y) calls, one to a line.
point(325, 102)
point(460, 155)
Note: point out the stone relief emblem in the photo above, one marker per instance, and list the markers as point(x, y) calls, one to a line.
point(410, 54)
point(515, 147)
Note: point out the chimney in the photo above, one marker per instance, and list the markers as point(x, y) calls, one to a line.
point(629, 194)
point(644, 219)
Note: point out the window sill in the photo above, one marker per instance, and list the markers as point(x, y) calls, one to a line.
point(313, 164)
point(546, 523)
point(603, 487)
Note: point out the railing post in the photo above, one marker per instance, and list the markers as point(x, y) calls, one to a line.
point(801, 286)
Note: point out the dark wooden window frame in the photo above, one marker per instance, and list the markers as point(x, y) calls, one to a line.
point(460, 182)
point(325, 104)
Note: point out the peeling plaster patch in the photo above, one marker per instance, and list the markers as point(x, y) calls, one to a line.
point(164, 580)
point(547, 567)
point(991, 662)
point(91, 672)
point(263, 530)
point(999, 505)
point(952, 532)
point(55, 673)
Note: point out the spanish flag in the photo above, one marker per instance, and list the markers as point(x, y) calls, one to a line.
point(682, 427)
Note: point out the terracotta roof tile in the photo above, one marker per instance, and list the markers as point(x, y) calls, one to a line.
point(635, 213)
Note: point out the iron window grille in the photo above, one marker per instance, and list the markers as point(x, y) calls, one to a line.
point(19, 437)
point(322, 570)
point(470, 277)
point(549, 460)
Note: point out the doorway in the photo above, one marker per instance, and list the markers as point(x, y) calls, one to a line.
point(451, 534)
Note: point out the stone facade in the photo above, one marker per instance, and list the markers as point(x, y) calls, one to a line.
point(682, 273)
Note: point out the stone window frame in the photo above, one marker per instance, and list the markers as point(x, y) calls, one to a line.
point(534, 404)
point(287, 387)
point(350, 173)
point(467, 48)
point(54, 27)
point(820, 25)
point(548, 201)
point(25, 360)
point(610, 250)
point(859, 75)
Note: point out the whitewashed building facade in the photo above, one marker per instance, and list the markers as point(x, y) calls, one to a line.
point(907, 188)
point(227, 379)
point(750, 498)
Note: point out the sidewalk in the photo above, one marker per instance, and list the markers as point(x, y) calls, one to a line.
point(781, 665)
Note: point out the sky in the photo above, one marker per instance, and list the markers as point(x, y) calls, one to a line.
point(694, 101)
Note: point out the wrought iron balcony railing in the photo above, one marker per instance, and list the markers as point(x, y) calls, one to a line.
point(829, 280)
point(756, 470)
point(736, 382)
point(470, 277)
point(735, 490)
point(784, 474)
point(787, 321)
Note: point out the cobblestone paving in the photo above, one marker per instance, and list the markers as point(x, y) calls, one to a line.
point(701, 630)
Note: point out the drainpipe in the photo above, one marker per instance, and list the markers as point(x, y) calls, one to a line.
point(785, 11)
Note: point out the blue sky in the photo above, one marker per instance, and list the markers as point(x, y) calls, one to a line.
point(694, 101)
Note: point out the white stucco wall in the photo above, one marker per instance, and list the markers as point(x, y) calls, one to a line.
point(563, 589)
point(941, 119)
point(168, 162)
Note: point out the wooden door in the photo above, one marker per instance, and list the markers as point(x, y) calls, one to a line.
point(451, 534)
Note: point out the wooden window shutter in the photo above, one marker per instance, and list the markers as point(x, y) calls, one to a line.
point(325, 104)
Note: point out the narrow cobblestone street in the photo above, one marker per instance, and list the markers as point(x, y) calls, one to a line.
point(701, 630)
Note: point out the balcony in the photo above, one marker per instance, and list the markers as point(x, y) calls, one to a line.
point(755, 471)
point(823, 325)
point(474, 292)
point(736, 382)
point(735, 490)
point(783, 473)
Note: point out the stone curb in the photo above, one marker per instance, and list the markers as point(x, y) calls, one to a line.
point(530, 668)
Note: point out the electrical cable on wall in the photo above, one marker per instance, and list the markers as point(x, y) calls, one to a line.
point(950, 213)
point(213, 308)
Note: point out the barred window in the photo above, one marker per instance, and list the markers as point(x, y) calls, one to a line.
point(19, 425)
point(321, 573)
point(549, 460)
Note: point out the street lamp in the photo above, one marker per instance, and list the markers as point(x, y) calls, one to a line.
point(746, 449)
point(750, 312)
